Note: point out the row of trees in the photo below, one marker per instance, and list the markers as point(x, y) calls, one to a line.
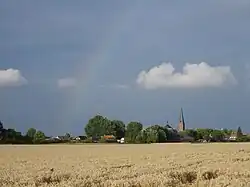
point(134, 132)
point(211, 134)
point(99, 126)
point(12, 136)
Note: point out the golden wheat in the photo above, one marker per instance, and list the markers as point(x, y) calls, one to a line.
point(126, 165)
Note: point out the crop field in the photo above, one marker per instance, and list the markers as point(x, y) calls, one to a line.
point(150, 165)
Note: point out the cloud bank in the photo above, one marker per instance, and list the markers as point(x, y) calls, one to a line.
point(67, 82)
point(192, 76)
point(11, 78)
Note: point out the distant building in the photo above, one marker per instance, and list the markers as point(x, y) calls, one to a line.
point(233, 136)
point(170, 128)
point(173, 134)
point(236, 134)
point(181, 126)
point(109, 138)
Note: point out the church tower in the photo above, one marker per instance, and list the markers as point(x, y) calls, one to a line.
point(181, 125)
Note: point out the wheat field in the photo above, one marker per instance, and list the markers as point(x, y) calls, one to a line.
point(125, 165)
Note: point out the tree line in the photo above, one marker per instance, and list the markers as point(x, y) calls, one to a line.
point(11, 136)
point(133, 132)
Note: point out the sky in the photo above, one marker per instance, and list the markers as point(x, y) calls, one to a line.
point(63, 62)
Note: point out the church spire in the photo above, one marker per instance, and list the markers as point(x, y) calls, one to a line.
point(181, 125)
point(181, 116)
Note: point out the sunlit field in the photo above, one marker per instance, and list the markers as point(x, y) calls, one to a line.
point(126, 165)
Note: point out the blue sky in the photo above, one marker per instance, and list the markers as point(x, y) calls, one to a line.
point(62, 62)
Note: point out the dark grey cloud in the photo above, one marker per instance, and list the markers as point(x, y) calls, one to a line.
point(110, 42)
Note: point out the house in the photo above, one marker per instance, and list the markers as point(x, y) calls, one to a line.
point(109, 138)
point(170, 129)
point(61, 138)
point(58, 137)
point(52, 139)
point(233, 136)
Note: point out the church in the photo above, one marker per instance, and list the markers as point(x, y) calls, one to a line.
point(181, 126)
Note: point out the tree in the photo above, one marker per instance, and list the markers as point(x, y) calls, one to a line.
point(2, 131)
point(39, 136)
point(217, 135)
point(31, 133)
point(239, 132)
point(152, 135)
point(98, 126)
point(158, 132)
point(243, 138)
point(109, 127)
point(192, 133)
point(133, 129)
point(11, 133)
point(12, 136)
point(141, 137)
point(227, 132)
point(203, 133)
point(162, 137)
point(119, 128)
point(1, 126)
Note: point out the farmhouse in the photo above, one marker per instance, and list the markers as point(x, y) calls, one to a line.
point(109, 138)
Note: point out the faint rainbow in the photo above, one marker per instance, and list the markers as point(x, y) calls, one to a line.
point(90, 68)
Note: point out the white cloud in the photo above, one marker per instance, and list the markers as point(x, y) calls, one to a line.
point(66, 82)
point(192, 76)
point(11, 77)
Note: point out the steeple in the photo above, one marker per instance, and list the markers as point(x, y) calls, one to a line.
point(181, 125)
point(181, 116)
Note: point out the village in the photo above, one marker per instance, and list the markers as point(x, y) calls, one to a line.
point(180, 134)
point(97, 131)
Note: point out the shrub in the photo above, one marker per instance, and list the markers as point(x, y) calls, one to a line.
point(243, 139)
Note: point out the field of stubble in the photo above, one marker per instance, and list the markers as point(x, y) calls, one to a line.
point(126, 165)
